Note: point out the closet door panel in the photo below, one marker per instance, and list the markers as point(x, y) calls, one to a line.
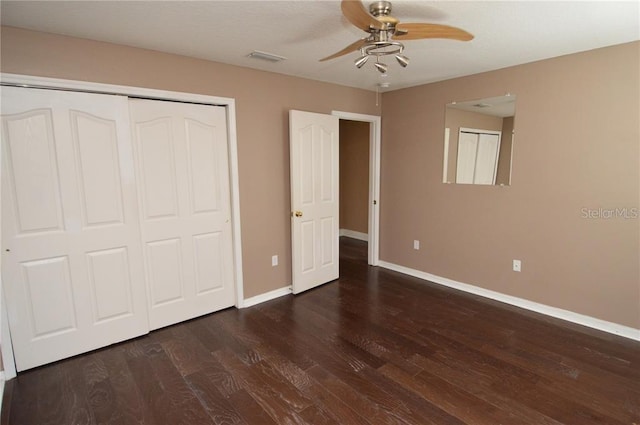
point(165, 272)
point(209, 259)
point(156, 166)
point(204, 169)
point(188, 247)
point(487, 161)
point(467, 152)
point(48, 282)
point(72, 263)
point(96, 147)
point(31, 168)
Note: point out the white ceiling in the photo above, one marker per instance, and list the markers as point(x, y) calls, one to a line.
point(506, 33)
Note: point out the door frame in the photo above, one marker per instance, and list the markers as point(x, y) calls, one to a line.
point(84, 86)
point(373, 257)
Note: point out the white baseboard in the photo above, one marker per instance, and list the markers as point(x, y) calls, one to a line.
point(581, 319)
point(267, 296)
point(354, 235)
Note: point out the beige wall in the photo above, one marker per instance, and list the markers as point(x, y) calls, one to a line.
point(354, 175)
point(577, 146)
point(262, 101)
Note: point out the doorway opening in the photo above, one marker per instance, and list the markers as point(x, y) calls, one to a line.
point(315, 216)
point(360, 180)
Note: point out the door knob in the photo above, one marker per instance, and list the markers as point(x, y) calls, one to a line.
point(298, 213)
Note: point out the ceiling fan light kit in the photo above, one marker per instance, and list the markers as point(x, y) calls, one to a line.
point(402, 60)
point(361, 61)
point(385, 31)
point(382, 67)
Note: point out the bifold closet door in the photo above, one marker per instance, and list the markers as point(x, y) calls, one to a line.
point(487, 161)
point(185, 215)
point(477, 157)
point(71, 254)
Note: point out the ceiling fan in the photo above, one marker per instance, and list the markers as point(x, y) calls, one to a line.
point(386, 33)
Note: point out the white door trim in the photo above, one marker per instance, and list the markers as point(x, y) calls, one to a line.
point(228, 103)
point(374, 179)
point(8, 360)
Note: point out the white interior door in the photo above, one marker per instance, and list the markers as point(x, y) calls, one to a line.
point(72, 266)
point(314, 198)
point(183, 185)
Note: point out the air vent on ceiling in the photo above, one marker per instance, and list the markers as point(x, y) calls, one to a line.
point(256, 54)
point(481, 105)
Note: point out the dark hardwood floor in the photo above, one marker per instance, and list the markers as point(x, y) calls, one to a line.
point(374, 347)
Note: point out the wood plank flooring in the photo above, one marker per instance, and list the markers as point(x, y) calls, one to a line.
point(375, 347)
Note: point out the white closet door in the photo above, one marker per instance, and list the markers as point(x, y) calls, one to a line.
point(183, 187)
point(467, 151)
point(487, 159)
point(477, 157)
point(72, 265)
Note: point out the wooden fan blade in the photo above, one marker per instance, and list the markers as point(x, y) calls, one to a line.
point(418, 31)
point(350, 48)
point(357, 14)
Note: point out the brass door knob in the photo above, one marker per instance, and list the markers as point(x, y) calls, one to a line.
point(298, 213)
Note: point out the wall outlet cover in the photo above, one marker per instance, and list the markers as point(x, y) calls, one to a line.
point(517, 265)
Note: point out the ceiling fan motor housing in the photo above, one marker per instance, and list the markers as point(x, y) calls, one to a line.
point(380, 8)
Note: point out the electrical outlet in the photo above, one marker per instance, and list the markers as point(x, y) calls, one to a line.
point(416, 245)
point(274, 260)
point(517, 265)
